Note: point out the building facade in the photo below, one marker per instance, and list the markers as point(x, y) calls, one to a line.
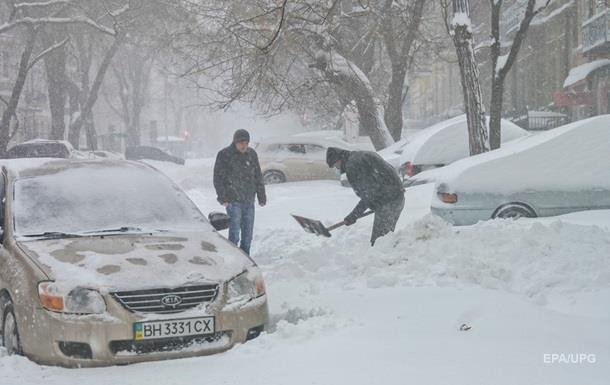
point(562, 66)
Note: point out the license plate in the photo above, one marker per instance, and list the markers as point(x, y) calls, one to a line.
point(173, 328)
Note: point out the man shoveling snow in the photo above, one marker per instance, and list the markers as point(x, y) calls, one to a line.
point(377, 185)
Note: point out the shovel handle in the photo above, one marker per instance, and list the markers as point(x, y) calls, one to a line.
point(342, 223)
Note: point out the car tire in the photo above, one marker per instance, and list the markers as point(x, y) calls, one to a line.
point(514, 211)
point(10, 333)
point(273, 177)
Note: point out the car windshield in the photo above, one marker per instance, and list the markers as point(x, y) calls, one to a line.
point(94, 199)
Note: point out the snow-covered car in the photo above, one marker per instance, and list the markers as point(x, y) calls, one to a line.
point(296, 158)
point(444, 143)
point(108, 262)
point(553, 173)
point(43, 148)
point(393, 153)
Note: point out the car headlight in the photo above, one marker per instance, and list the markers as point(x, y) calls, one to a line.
point(78, 300)
point(247, 285)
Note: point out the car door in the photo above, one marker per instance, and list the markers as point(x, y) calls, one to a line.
point(316, 162)
point(292, 156)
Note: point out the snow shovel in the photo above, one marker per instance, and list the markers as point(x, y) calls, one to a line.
point(316, 227)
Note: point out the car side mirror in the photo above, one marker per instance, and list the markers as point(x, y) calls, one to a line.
point(220, 221)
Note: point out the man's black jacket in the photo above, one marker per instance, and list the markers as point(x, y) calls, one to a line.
point(373, 179)
point(238, 177)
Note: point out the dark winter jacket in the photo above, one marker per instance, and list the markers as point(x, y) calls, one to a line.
point(238, 177)
point(373, 179)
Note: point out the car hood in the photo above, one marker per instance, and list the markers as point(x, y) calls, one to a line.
point(138, 261)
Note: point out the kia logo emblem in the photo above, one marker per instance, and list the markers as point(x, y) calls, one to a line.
point(171, 300)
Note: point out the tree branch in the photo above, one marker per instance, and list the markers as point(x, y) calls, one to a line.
point(47, 51)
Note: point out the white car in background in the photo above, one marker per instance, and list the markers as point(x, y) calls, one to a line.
point(296, 158)
point(556, 172)
point(338, 136)
point(444, 143)
point(392, 154)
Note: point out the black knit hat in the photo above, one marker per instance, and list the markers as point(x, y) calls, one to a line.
point(333, 154)
point(241, 135)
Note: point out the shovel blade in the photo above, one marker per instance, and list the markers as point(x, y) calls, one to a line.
point(312, 226)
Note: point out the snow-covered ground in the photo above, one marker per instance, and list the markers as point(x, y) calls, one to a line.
point(534, 293)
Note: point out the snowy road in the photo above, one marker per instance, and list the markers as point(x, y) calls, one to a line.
point(344, 313)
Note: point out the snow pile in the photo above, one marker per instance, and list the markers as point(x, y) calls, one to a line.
point(527, 258)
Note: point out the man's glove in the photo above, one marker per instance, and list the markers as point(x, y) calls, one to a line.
point(350, 220)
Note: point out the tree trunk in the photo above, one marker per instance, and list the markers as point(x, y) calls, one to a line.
point(11, 108)
point(495, 112)
point(55, 66)
point(354, 84)
point(501, 68)
point(398, 50)
point(393, 111)
point(87, 108)
point(473, 99)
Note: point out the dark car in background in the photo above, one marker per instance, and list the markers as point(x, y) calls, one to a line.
point(150, 153)
point(42, 148)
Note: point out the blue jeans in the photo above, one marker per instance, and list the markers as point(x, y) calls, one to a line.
point(242, 220)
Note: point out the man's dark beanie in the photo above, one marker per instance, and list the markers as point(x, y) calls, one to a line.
point(241, 136)
point(333, 154)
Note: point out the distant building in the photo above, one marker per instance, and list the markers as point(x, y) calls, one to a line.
point(586, 89)
point(563, 65)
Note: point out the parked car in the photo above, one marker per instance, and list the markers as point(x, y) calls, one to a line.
point(108, 262)
point(444, 143)
point(393, 153)
point(150, 153)
point(362, 143)
point(101, 154)
point(553, 173)
point(296, 158)
point(42, 148)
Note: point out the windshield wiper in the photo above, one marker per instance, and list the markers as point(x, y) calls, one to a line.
point(53, 235)
point(123, 229)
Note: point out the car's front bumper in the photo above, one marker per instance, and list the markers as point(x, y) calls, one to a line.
point(58, 339)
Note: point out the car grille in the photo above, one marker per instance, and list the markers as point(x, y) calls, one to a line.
point(152, 300)
point(216, 340)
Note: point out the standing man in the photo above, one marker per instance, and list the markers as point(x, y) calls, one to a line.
point(377, 185)
point(237, 179)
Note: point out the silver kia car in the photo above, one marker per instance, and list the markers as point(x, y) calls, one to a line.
point(109, 262)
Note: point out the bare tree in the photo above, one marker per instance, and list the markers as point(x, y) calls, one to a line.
point(501, 64)
point(86, 112)
point(21, 17)
point(132, 74)
point(32, 18)
point(55, 67)
point(305, 55)
point(460, 29)
point(401, 23)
